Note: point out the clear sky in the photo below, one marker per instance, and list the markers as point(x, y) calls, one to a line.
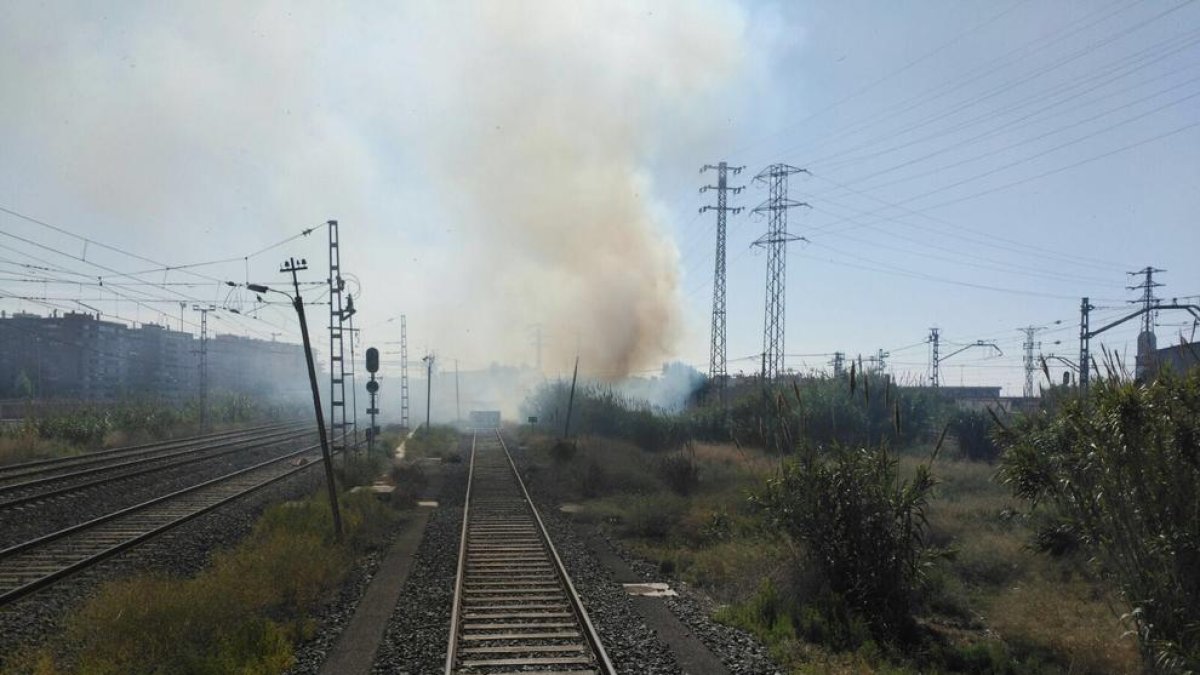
point(976, 166)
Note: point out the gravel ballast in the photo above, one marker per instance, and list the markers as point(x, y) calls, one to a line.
point(183, 551)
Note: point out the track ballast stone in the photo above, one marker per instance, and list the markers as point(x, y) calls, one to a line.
point(183, 551)
point(419, 629)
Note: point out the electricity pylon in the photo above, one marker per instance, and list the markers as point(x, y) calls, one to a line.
point(775, 241)
point(716, 356)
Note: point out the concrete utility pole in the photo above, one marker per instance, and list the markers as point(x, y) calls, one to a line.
point(337, 353)
point(293, 266)
point(571, 400)
point(428, 359)
point(1085, 336)
point(204, 363)
point(457, 400)
point(716, 355)
point(934, 359)
point(775, 241)
point(1029, 363)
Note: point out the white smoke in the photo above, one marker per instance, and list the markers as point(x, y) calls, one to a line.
point(490, 161)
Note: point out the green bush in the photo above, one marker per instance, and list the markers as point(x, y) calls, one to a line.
point(599, 411)
point(436, 443)
point(863, 533)
point(1122, 469)
point(973, 429)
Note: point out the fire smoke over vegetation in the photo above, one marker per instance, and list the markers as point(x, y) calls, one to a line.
point(559, 107)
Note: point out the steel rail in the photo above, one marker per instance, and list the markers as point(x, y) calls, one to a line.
point(590, 632)
point(50, 565)
point(34, 467)
point(148, 464)
point(523, 597)
point(452, 649)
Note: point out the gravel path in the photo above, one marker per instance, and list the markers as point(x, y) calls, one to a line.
point(334, 614)
point(416, 636)
point(740, 651)
point(632, 646)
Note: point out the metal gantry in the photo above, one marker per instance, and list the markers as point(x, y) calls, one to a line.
point(775, 241)
point(717, 354)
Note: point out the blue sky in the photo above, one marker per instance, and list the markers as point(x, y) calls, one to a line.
point(976, 166)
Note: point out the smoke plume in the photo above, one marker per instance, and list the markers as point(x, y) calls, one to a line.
point(491, 162)
point(565, 104)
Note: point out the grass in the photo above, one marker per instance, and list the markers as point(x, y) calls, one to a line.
point(130, 422)
point(993, 606)
point(25, 445)
point(242, 614)
point(439, 442)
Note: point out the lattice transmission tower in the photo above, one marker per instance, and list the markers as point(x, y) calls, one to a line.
point(1147, 344)
point(337, 360)
point(716, 354)
point(1029, 363)
point(775, 241)
point(403, 371)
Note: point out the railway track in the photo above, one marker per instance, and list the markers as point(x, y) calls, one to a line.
point(41, 468)
point(41, 562)
point(515, 608)
point(38, 484)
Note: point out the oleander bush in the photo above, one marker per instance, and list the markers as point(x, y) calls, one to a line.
point(1120, 468)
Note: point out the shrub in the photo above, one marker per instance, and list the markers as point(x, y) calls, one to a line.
point(1122, 468)
point(862, 530)
point(563, 450)
point(680, 473)
point(973, 431)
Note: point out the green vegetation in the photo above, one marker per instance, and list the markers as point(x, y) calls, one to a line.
point(242, 614)
point(862, 530)
point(67, 433)
point(439, 442)
point(1120, 471)
point(817, 520)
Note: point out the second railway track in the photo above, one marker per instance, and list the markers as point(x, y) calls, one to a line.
point(41, 562)
point(515, 608)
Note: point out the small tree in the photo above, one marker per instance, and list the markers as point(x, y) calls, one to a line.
point(1122, 467)
point(861, 528)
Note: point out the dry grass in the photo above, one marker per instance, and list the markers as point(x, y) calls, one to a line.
point(25, 446)
point(1070, 619)
point(242, 614)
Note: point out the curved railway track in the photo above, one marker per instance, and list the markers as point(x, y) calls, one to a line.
point(515, 608)
point(58, 478)
point(38, 563)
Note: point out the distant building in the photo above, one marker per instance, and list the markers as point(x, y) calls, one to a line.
point(80, 357)
point(1180, 358)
